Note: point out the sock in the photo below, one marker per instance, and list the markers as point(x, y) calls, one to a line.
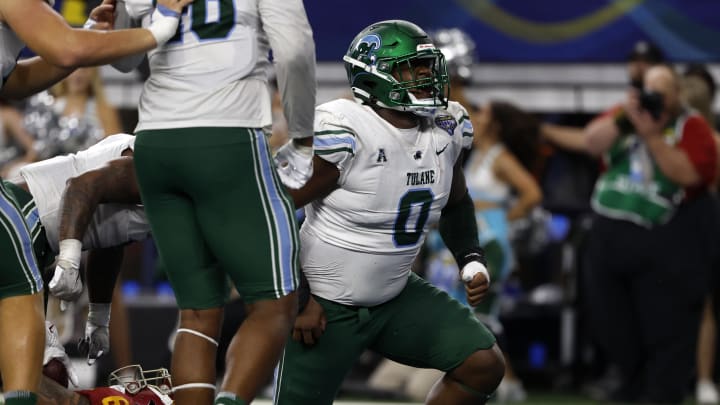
point(20, 398)
point(228, 398)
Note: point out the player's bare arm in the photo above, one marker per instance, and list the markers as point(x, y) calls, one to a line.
point(63, 47)
point(510, 170)
point(113, 183)
point(101, 272)
point(324, 180)
point(35, 74)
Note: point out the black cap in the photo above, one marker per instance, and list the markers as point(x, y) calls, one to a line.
point(647, 52)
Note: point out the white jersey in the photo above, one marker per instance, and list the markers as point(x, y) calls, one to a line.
point(214, 72)
point(393, 184)
point(112, 224)
point(10, 47)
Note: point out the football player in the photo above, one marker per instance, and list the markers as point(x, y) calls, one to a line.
point(93, 193)
point(60, 48)
point(217, 209)
point(129, 385)
point(386, 167)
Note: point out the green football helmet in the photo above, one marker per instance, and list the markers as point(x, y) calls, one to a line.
point(384, 48)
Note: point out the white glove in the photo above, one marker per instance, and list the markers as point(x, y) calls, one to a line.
point(471, 269)
point(55, 350)
point(66, 284)
point(294, 164)
point(97, 333)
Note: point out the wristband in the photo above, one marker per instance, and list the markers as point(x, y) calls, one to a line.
point(70, 251)
point(99, 314)
point(468, 256)
point(476, 254)
point(89, 24)
point(164, 24)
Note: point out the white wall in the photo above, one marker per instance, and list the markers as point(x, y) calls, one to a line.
point(536, 87)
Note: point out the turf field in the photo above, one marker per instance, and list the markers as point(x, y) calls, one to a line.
point(533, 399)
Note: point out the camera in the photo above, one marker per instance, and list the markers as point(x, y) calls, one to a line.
point(652, 102)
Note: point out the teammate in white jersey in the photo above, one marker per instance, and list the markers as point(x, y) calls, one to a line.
point(89, 199)
point(211, 193)
point(386, 168)
point(60, 49)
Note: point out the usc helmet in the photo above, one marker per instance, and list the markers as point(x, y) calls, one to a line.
point(380, 50)
point(145, 387)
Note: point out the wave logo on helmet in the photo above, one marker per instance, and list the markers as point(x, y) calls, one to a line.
point(367, 46)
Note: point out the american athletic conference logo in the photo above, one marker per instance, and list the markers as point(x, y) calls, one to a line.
point(367, 47)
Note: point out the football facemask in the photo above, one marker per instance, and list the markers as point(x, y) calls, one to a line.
point(134, 379)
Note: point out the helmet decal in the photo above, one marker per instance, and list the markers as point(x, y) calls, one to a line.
point(367, 46)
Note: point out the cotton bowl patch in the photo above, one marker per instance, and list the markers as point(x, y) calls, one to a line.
point(446, 122)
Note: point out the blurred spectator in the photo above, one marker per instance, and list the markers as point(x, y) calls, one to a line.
point(650, 249)
point(81, 96)
point(642, 57)
point(73, 116)
point(699, 91)
point(17, 143)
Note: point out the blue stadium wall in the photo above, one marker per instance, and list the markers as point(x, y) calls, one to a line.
point(518, 31)
point(536, 30)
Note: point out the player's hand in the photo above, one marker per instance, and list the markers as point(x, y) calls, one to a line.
point(103, 16)
point(477, 282)
point(310, 324)
point(55, 350)
point(294, 164)
point(66, 284)
point(95, 343)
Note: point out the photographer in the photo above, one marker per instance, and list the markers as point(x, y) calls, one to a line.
point(649, 255)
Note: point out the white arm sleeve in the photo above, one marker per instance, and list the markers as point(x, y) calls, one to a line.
point(122, 21)
point(291, 41)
